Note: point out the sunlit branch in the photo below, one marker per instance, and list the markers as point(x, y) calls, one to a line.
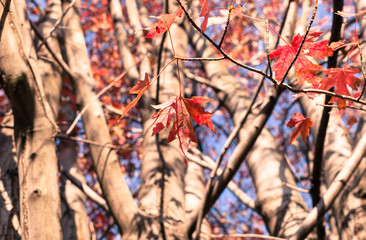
point(226, 27)
point(96, 97)
point(6, 10)
point(88, 191)
point(200, 59)
point(206, 162)
point(333, 191)
point(296, 188)
point(110, 146)
point(58, 22)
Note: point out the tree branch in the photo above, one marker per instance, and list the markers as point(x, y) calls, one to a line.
point(333, 191)
point(4, 15)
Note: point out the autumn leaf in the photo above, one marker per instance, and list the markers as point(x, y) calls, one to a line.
point(340, 79)
point(139, 89)
point(351, 121)
point(163, 24)
point(305, 69)
point(302, 126)
point(182, 110)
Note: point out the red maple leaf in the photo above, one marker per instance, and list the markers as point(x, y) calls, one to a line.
point(163, 24)
point(182, 109)
point(302, 126)
point(139, 89)
point(340, 78)
point(204, 13)
point(305, 69)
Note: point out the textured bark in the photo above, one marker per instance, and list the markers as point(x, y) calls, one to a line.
point(162, 170)
point(105, 160)
point(334, 190)
point(194, 180)
point(9, 190)
point(348, 209)
point(34, 131)
point(161, 196)
point(74, 216)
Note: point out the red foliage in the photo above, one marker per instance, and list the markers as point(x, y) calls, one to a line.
point(305, 69)
point(302, 126)
point(182, 127)
point(139, 89)
point(340, 78)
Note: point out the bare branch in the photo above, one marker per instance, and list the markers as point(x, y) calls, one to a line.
point(333, 191)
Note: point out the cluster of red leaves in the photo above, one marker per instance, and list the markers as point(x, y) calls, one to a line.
point(306, 70)
point(179, 107)
point(182, 109)
point(341, 79)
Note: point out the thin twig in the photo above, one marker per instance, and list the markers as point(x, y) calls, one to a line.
point(200, 59)
point(58, 22)
point(111, 146)
point(267, 48)
point(109, 86)
point(292, 169)
point(88, 191)
point(226, 27)
point(294, 187)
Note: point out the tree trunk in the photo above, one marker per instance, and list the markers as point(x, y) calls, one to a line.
point(34, 131)
point(282, 208)
point(9, 189)
point(105, 159)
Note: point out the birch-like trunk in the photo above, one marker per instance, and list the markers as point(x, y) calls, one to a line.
point(105, 159)
point(34, 130)
point(9, 185)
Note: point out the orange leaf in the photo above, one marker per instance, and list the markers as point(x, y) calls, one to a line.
point(302, 126)
point(139, 89)
point(351, 121)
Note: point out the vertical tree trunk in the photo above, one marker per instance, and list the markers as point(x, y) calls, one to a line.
point(105, 160)
point(9, 189)
point(75, 219)
point(34, 132)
